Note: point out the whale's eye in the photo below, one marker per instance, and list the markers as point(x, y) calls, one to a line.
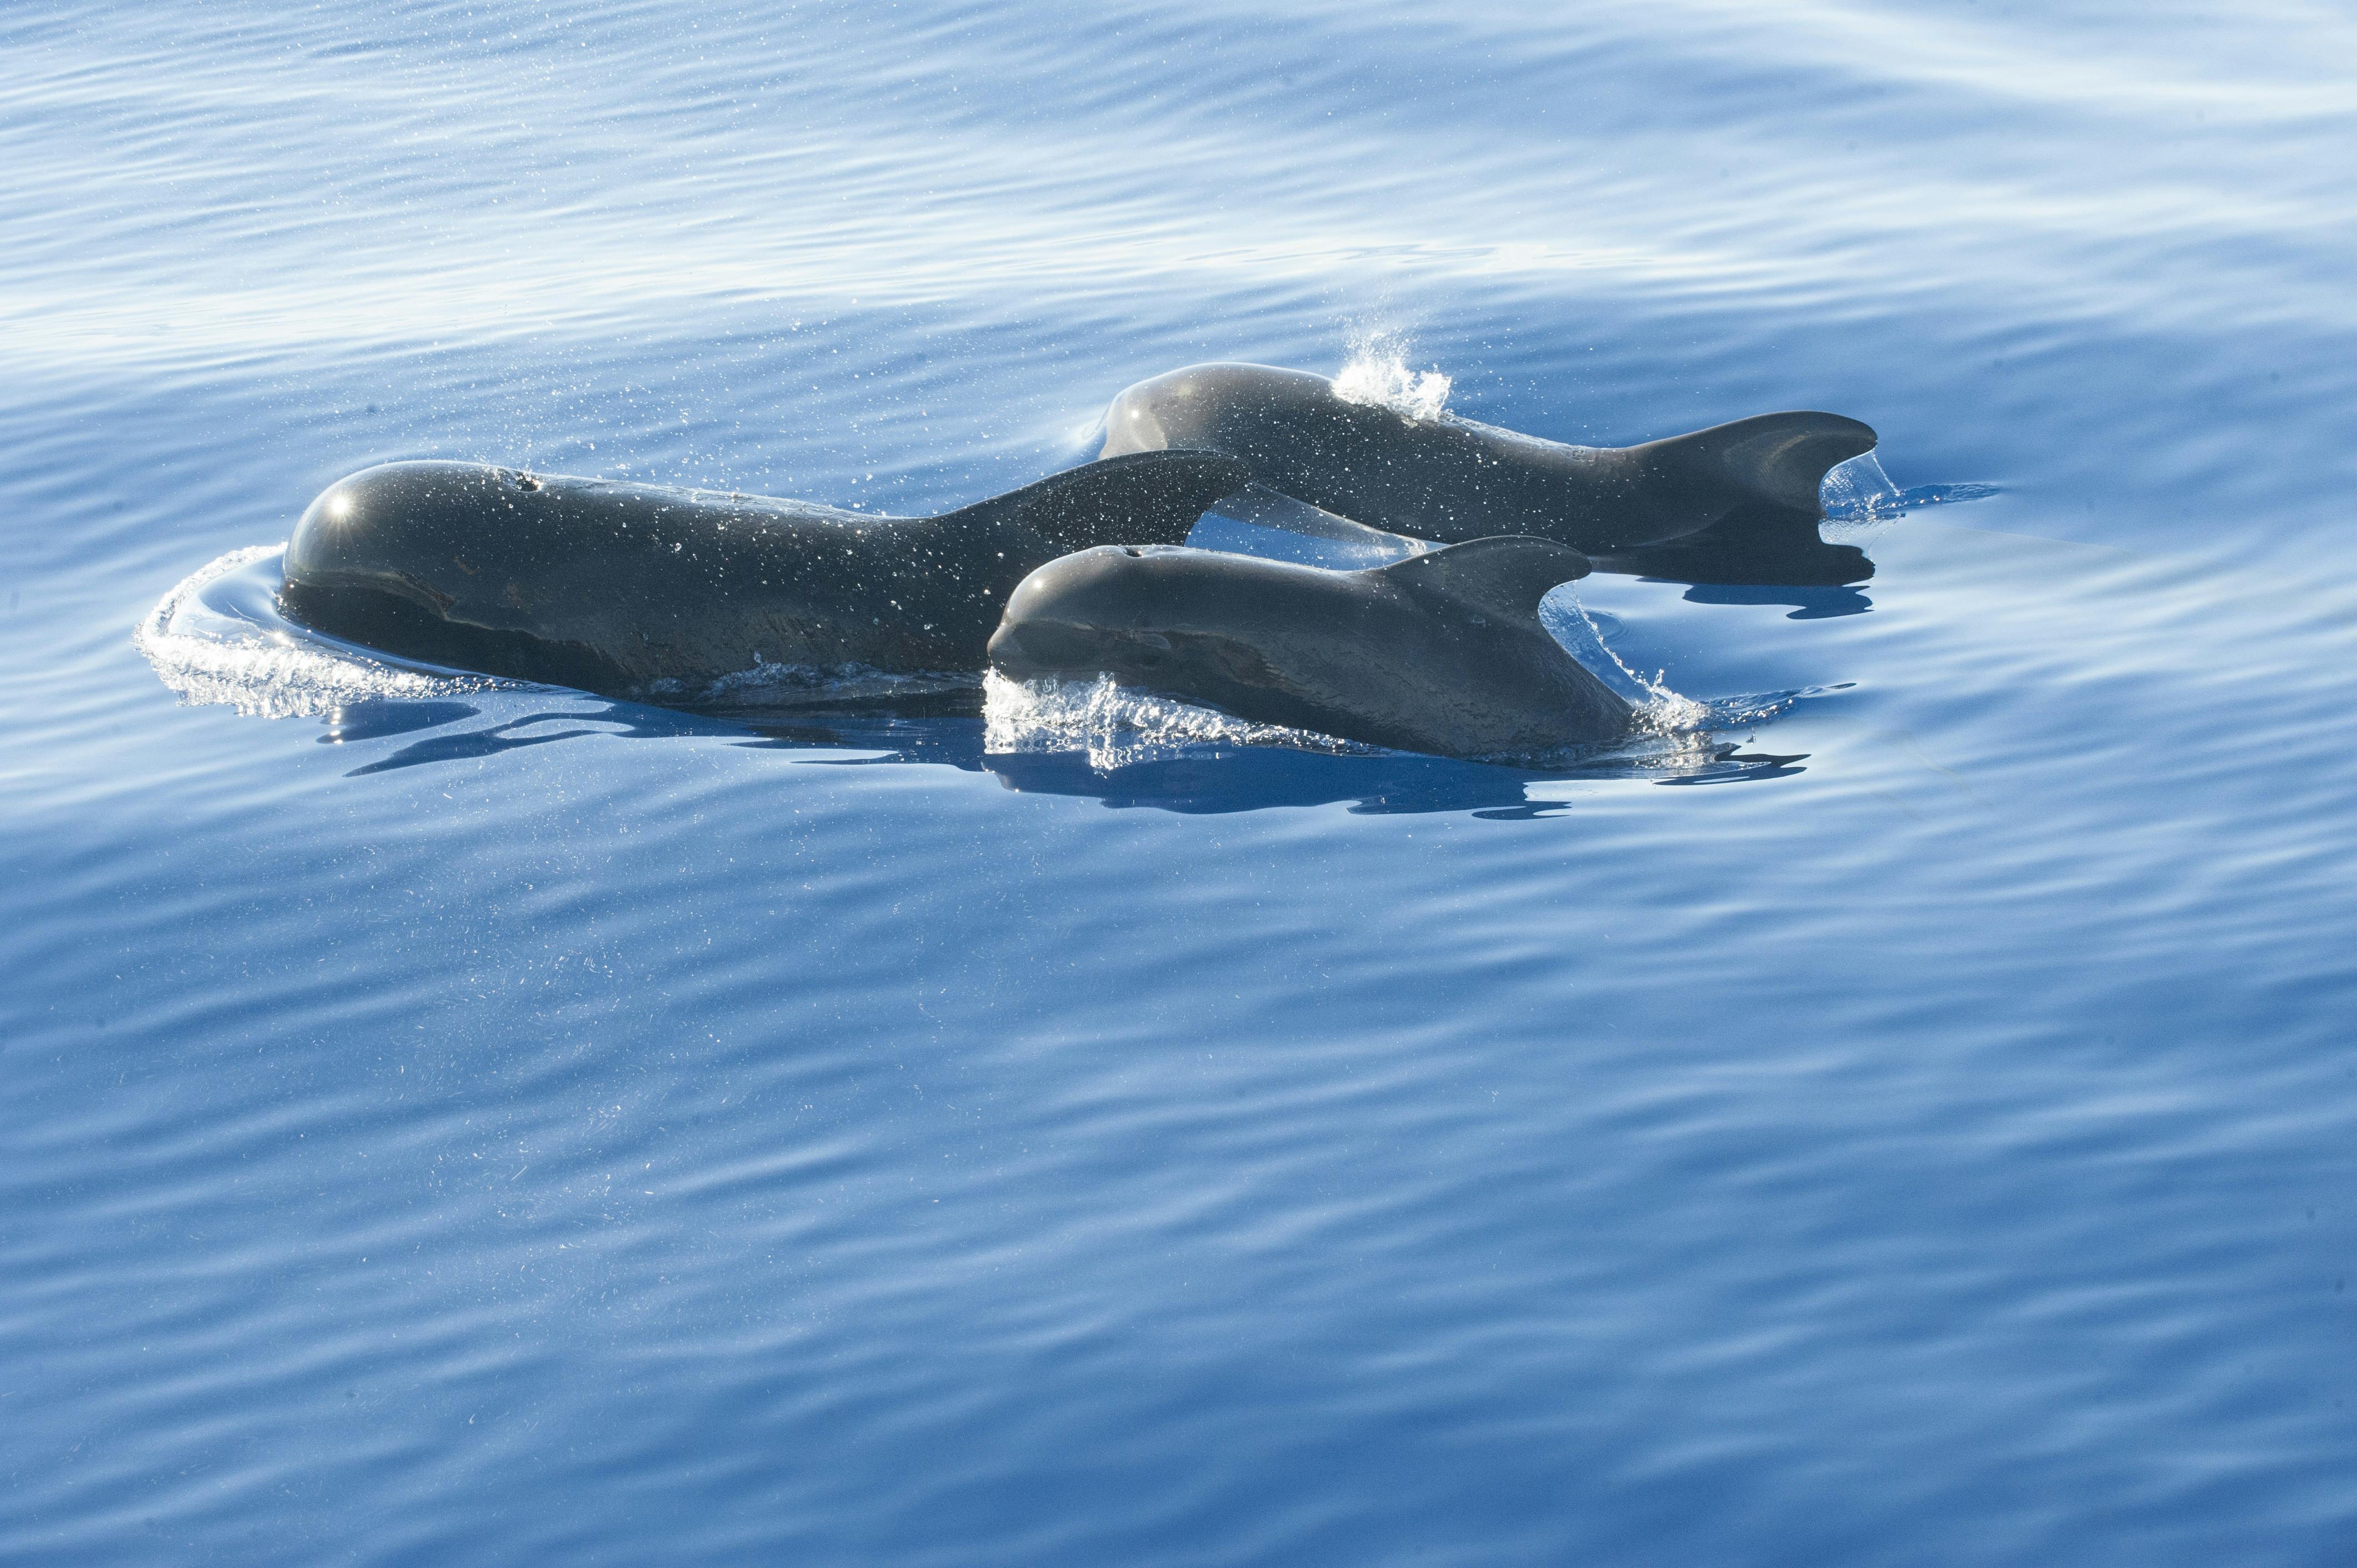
point(1133, 551)
point(528, 482)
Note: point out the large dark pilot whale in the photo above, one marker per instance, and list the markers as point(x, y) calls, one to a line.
point(1441, 652)
point(1735, 503)
point(617, 588)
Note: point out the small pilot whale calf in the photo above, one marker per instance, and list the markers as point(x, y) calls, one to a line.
point(612, 586)
point(1441, 652)
point(1735, 503)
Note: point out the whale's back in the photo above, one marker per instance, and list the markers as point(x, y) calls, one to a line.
point(1738, 498)
point(614, 587)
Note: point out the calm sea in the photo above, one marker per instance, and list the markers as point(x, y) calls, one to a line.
point(450, 1123)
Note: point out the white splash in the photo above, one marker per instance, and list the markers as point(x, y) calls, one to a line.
point(1377, 375)
point(217, 638)
point(1117, 726)
point(1660, 710)
point(1859, 500)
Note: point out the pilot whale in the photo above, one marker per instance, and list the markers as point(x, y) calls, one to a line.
point(616, 587)
point(1441, 652)
point(1735, 503)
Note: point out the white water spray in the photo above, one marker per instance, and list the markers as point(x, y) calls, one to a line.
point(1377, 375)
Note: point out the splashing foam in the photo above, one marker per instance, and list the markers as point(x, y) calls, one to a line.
point(1117, 726)
point(238, 657)
point(1670, 733)
point(1859, 500)
point(1377, 376)
point(1660, 710)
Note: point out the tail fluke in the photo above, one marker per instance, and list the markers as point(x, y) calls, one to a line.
point(1141, 497)
point(1758, 480)
point(1778, 459)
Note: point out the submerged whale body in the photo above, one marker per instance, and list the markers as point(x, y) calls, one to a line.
point(1441, 652)
point(1735, 503)
point(614, 588)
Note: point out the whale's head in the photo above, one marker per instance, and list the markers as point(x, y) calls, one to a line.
point(419, 532)
point(1442, 652)
point(1101, 611)
point(1157, 617)
point(447, 563)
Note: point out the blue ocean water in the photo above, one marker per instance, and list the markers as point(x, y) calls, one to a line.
point(462, 1123)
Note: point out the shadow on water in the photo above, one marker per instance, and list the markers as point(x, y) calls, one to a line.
point(375, 721)
point(1809, 604)
point(1198, 780)
point(1212, 780)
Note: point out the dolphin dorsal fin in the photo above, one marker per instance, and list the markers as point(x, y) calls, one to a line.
point(1506, 575)
point(1142, 498)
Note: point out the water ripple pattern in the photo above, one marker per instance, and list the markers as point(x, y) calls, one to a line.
point(218, 637)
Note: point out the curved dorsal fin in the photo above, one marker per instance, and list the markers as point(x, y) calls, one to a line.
point(1505, 575)
point(1143, 498)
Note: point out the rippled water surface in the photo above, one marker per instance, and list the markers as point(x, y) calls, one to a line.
point(1907, 1115)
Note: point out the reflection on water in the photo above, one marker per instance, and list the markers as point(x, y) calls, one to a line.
point(1195, 777)
point(1210, 778)
point(540, 727)
point(378, 719)
point(1812, 604)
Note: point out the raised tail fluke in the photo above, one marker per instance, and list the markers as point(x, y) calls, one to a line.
point(1778, 459)
point(1141, 497)
point(1758, 481)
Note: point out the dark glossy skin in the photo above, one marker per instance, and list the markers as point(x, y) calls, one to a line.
point(616, 587)
point(1735, 503)
point(1441, 653)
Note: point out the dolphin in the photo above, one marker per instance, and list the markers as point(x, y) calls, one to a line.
point(616, 587)
point(1735, 503)
point(1441, 652)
